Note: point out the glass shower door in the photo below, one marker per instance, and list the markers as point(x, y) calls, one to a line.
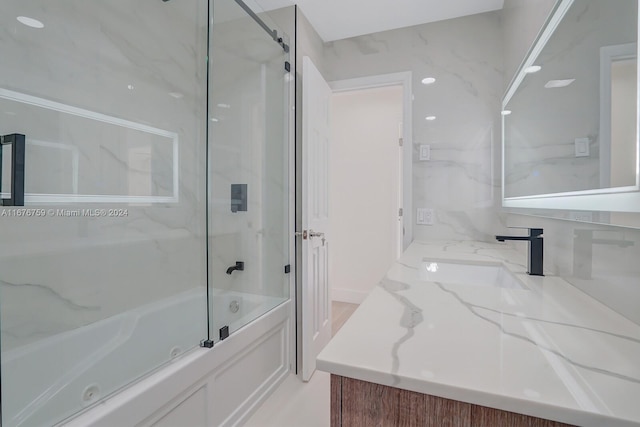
point(103, 270)
point(249, 166)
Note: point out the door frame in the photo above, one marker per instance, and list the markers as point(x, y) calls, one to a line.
point(403, 79)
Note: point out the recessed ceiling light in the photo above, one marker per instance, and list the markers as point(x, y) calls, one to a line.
point(430, 118)
point(553, 84)
point(30, 22)
point(176, 95)
point(505, 112)
point(428, 80)
point(131, 87)
point(532, 69)
point(213, 119)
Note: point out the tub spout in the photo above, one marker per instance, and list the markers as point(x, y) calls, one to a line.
point(239, 266)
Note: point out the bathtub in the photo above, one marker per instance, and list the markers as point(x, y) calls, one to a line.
point(52, 379)
point(236, 309)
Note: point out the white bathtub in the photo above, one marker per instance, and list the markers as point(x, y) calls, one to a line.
point(247, 308)
point(47, 381)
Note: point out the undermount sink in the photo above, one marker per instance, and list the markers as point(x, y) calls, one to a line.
point(469, 273)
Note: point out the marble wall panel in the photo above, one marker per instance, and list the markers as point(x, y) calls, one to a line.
point(142, 63)
point(541, 131)
point(461, 181)
point(248, 145)
point(598, 259)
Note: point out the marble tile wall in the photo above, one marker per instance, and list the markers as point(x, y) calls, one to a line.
point(600, 260)
point(142, 62)
point(541, 131)
point(248, 145)
point(522, 20)
point(461, 181)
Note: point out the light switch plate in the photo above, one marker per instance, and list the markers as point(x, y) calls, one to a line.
point(425, 152)
point(582, 147)
point(424, 216)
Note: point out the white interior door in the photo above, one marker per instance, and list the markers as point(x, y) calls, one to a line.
point(316, 301)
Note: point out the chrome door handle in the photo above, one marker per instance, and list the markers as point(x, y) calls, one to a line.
point(315, 233)
point(301, 233)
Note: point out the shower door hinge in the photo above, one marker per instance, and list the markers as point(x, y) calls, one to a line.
point(400, 142)
point(206, 343)
point(287, 66)
point(287, 269)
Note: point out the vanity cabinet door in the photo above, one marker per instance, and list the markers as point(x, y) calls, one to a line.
point(356, 403)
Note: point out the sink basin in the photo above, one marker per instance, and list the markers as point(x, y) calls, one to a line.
point(469, 273)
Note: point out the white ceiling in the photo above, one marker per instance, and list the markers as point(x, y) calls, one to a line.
point(339, 19)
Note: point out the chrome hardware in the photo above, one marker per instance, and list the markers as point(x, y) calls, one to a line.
point(309, 234)
point(317, 234)
point(234, 306)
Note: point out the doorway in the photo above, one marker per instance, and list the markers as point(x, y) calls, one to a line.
point(365, 188)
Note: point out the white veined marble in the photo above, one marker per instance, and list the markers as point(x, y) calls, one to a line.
point(548, 351)
point(461, 181)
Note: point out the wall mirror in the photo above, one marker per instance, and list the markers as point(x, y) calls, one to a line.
point(570, 117)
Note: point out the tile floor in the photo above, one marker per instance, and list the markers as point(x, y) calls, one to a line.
point(299, 404)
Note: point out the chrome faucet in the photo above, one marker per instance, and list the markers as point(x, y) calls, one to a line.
point(536, 249)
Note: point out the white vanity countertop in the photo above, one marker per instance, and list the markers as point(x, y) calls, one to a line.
point(550, 351)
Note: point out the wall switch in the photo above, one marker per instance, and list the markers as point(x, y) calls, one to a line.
point(425, 152)
point(582, 147)
point(424, 216)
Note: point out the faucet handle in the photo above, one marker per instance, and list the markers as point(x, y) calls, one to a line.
point(536, 232)
point(533, 232)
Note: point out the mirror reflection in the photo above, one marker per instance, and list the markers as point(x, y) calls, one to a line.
point(571, 124)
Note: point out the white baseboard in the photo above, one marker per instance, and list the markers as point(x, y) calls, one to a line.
point(348, 295)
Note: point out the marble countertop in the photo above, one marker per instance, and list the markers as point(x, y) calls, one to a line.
point(549, 351)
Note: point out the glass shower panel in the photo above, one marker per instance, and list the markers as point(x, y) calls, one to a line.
point(249, 166)
point(103, 270)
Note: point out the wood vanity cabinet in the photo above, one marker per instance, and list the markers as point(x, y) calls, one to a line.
point(356, 403)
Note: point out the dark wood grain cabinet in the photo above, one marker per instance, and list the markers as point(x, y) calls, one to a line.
point(356, 403)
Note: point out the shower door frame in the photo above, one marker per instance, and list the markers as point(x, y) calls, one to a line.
point(290, 116)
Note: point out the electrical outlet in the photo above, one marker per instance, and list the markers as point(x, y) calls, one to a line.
point(425, 216)
point(425, 152)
